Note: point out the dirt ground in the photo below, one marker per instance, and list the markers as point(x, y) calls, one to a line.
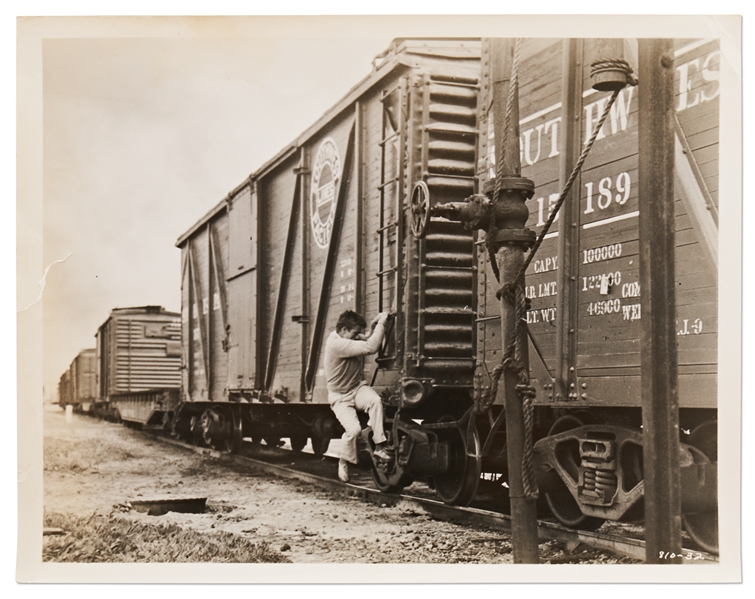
point(95, 467)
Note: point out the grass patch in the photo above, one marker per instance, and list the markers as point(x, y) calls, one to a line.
point(112, 539)
point(85, 454)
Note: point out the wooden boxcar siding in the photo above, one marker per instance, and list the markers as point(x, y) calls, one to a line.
point(143, 352)
point(276, 207)
point(242, 290)
point(84, 376)
point(608, 320)
point(343, 284)
point(697, 75)
point(198, 274)
point(541, 130)
point(203, 312)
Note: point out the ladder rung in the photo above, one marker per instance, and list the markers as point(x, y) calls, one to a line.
point(440, 267)
point(385, 272)
point(428, 174)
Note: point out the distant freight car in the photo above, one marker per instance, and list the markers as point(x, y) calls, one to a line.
point(84, 380)
point(139, 364)
point(65, 397)
point(77, 387)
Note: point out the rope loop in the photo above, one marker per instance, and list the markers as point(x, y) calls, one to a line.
point(507, 292)
point(527, 391)
point(615, 64)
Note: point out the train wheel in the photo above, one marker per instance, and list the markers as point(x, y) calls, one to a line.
point(561, 502)
point(298, 442)
point(459, 485)
point(233, 440)
point(703, 527)
point(206, 426)
point(320, 445)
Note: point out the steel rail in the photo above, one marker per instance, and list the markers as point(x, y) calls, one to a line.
point(623, 546)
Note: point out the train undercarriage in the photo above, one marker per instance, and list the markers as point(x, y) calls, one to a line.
point(589, 463)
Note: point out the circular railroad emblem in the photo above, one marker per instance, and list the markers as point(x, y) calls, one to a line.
point(325, 177)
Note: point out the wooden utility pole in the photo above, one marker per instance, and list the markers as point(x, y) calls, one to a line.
point(660, 397)
point(511, 241)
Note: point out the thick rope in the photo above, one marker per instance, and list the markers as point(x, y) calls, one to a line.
point(567, 188)
point(513, 291)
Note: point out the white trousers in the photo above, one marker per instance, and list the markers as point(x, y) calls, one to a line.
point(344, 406)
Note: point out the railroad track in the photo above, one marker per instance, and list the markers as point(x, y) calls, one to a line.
point(307, 468)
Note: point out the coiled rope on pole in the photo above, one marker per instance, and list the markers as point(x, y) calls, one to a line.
point(613, 65)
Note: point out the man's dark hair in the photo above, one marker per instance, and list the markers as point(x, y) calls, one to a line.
point(349, 320)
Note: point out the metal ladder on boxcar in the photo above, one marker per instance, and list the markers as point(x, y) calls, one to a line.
point(393, 128)
point(447, 305)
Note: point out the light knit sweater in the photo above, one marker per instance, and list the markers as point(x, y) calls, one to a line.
point(344, 359)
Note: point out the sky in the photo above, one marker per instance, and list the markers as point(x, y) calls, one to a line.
point(143, 136)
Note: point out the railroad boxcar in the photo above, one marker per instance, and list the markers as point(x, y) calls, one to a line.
point(343, 219)
point(65, 397)
point(84, 380)
point(584, 284)
point(321, 228)
point(139, 365)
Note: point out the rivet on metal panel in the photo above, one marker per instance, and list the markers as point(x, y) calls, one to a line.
point(584, 396)
point(571, 369)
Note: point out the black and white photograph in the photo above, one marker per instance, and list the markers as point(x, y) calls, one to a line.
point(379, 299)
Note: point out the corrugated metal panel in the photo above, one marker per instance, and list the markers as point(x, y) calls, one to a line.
point(138, 351)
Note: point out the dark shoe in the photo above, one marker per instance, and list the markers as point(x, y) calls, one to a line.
point(343, 471)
